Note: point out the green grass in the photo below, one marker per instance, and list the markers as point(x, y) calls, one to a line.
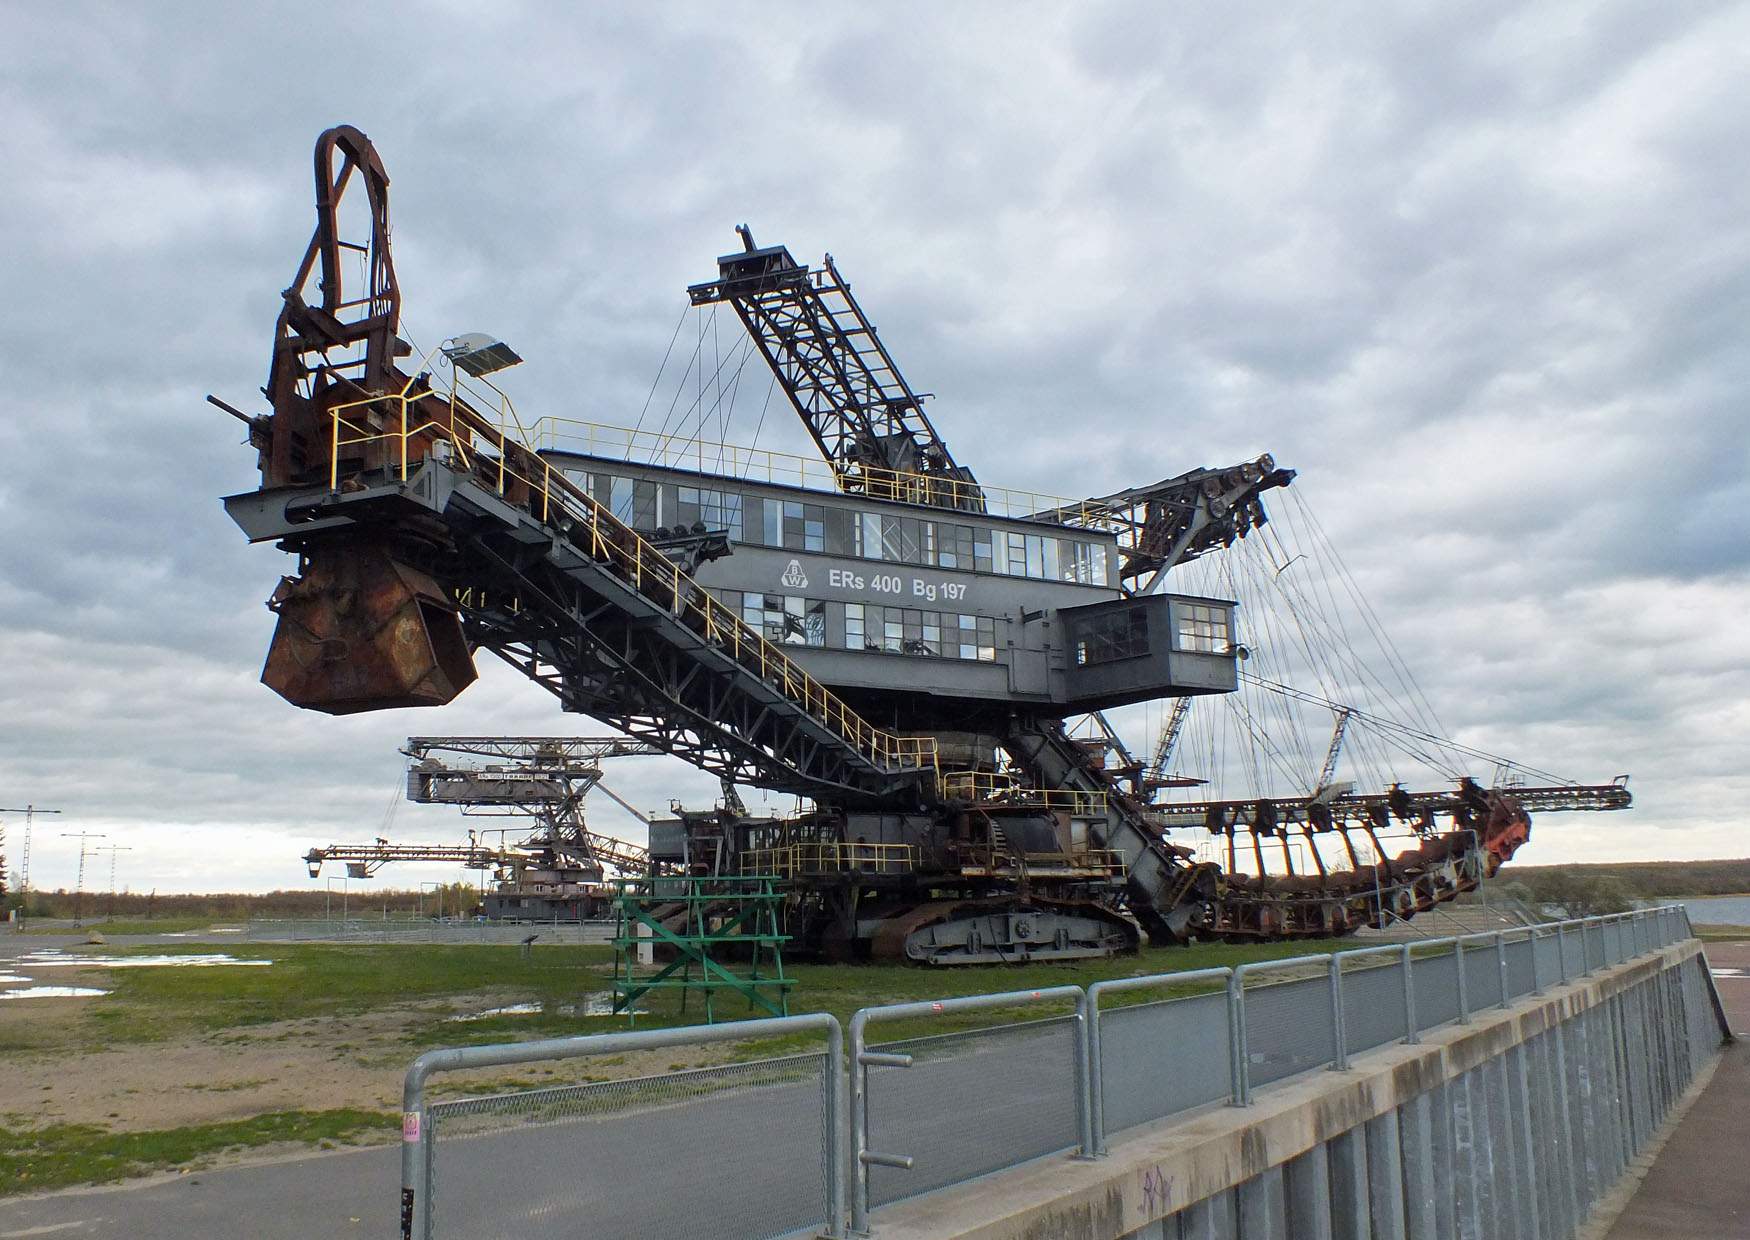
point(1724, 933)
point(842, 989)
point(309, 981)
point(63, 1154)
point(322, 980)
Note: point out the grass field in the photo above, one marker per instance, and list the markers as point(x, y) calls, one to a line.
point(318, 980)
point(37, 1159)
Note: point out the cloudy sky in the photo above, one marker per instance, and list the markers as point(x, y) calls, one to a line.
point(1480, 273)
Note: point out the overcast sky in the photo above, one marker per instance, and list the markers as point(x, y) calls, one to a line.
point(1481, 273)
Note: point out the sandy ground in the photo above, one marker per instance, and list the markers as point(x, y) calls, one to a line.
point(317, 1064)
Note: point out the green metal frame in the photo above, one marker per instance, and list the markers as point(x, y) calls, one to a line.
point(742, 910)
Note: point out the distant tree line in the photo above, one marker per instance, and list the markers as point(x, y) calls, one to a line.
point(362, 900)
point(1614, 887)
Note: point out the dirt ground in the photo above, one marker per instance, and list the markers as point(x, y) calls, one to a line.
point(313, 1065)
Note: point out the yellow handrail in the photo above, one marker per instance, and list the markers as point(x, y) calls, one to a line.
point(618, 545)
point(986, 787)
point(638, 446)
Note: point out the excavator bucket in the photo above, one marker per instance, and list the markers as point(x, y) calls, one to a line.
point(361, 631)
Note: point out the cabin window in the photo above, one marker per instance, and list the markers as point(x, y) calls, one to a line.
point(1202, 628)
point(1111, 635)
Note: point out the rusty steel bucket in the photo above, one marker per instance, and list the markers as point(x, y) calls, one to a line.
point(362, 631)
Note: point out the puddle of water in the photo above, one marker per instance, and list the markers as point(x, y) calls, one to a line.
point(513, 1009)
point(601, 1003)
point(9, 979)
point(52, 992)
point(53, 958)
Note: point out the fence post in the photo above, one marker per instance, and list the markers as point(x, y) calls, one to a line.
point(1085, 1076)
point(1562, 951)
point(1239, 1078)
point(1412, 1034)
point(1096, 1073)
point(1339, 1035)
point(1501, 964)
point(859, 1128)
point(416, 1152)
point(1536, 973)
point(1463, 989)
point(835, 1130)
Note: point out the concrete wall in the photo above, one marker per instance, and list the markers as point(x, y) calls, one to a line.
point(1512, 1125)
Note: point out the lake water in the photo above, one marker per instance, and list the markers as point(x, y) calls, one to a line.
point(1718, 910)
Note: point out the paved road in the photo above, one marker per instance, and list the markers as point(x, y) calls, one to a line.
point(1697, 1188)
point(726, 1164)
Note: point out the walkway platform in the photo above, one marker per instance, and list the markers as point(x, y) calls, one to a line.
point(1696, 1187)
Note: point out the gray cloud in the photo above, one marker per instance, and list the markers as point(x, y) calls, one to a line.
point(1479, 273)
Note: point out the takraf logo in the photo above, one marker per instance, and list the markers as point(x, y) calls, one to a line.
point(794, 578)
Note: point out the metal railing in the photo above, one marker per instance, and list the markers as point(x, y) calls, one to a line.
point(788, 469)
point(989, 788)
point(744, 1131)
point(1026, 1116)
point(1275, 1019)
point(940, 1108)
point(788, 860)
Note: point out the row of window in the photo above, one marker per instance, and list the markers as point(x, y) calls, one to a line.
point(800, 526)
point(908, 630)
point(789, 619)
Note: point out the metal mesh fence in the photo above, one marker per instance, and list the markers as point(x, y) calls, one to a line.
point(1436, 990)
point(1289, 1028)
point(423, 930)
point(1548, 952)
point(972, 1102)
point(1594, 942)
point(1373, 1004)
point(1157, 1059)
point(1573, 952)
point(1521, 967)
point(736, 1152)
point(1482, 976)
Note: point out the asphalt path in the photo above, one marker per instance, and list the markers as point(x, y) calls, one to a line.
point(1697, 1188)
point(733, 1162)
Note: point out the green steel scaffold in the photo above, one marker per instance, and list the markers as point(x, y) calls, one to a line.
point(705, 935)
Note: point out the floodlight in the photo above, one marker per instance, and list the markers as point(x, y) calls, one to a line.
point(479, 353)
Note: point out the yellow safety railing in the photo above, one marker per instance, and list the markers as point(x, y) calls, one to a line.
point(789, 860)
point(989, 788)
point(497, 453)
point(787, 469)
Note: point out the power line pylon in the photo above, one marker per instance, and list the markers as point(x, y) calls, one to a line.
point(30, 812)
